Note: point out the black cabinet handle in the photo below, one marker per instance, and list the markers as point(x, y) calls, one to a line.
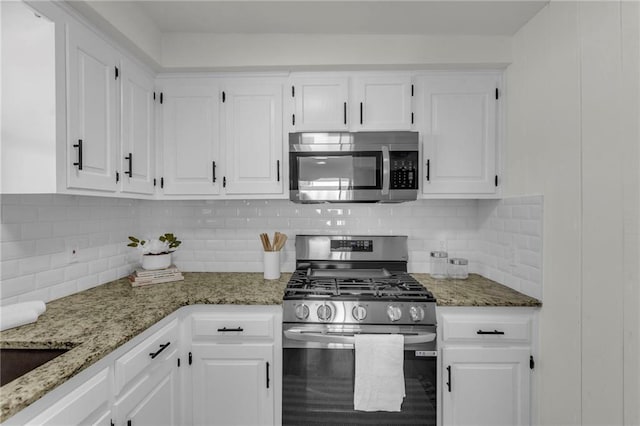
point(268, 375)
point(128, 422)
point(213, 166)
point(162, 348)
point(161, 182)
point(225, 329)
point(449, 378)
point(278, 169)
point(79, 146)
point(130, 171)
point(360, 112)
point(428, 169)
point(490, 332)
point(344, 112)
point(224, 181)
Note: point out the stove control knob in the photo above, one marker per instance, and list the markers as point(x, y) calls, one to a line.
point(394, 312)
point(359, 312)
point(416, 313)
point(324, 312)
point(302, 312)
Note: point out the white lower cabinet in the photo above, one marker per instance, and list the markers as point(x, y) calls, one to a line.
point(202, 365)
point(485, 386)
point(154, 400)
point(486, 366)
point(236, 369)
point(87, 404)
point(148, 382)
point(232, 384)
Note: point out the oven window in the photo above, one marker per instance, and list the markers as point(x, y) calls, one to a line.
point(318, 390)
point(361, 170)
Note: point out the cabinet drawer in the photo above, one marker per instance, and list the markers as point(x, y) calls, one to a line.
point(147, 354)
point(486, 329)
point(229, 326)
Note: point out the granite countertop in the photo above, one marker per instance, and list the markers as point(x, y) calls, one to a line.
point(474, 291)
point(97, 321)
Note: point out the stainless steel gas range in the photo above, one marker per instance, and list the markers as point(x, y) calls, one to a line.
point(344, 286)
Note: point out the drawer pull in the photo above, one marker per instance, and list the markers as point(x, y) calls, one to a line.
point(225, 329)
point(490, 332)
point(449, 378)
point(162, 348)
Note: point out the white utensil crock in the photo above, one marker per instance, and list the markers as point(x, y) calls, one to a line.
point(271, 265)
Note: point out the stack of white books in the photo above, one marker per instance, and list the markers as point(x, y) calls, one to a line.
point(145, 277)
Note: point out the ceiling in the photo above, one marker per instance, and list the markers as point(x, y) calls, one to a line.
point(418, 17)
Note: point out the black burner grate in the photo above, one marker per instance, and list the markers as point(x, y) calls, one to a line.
point(399, 285)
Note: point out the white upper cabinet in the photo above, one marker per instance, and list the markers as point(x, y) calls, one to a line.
point(321, 103)
point(456, 116)
point(252, 138)
point(138, 144)
point(381, 102)
point(92, 84)
point(190, 137)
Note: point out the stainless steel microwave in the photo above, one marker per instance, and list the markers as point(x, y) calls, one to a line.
point(353, 167)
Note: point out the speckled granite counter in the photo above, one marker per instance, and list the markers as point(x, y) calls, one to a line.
point(474, 291)
point(95, 322)
point(99, 320)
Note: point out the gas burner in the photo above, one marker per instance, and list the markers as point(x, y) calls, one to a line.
point(400, 285)
point(335, 282)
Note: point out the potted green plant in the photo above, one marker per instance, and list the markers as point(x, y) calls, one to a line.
point(156, 252)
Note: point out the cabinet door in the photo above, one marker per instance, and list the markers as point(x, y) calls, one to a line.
point(138, 147)
point(88, 404)
point(190, 138)
point(485, 386)
point(320, 103)
point(252, 139)
point(92, 109)
point(382, 103)
point(154, 400)
point(233, 384)
point(458, 118)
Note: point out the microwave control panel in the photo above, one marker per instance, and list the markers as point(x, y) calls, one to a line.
point(404, 170)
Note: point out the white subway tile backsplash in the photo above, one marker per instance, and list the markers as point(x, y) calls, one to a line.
point(507, 225)
point(17, 286)
point(49, 278)
point(223, 236)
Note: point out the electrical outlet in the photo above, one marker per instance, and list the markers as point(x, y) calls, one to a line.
point(73, 254)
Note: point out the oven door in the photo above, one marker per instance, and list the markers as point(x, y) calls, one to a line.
point(318, 376)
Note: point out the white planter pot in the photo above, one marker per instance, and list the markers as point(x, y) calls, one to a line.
point(156, 261)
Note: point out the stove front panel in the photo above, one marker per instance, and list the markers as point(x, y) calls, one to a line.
point(323, 311)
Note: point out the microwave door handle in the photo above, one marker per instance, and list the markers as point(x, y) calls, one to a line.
point(349, 339)
point(386, 170)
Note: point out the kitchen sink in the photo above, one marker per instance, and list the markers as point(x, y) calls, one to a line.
point(16, 362)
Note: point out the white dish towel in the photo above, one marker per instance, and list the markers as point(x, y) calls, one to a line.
point(379, 381)
point(20, 313)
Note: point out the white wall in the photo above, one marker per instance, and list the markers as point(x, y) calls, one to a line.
point(568, 138)
point(289, 51)
point(28, 100)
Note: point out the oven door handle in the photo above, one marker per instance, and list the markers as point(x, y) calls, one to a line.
point(349, 339)
point(386, 170)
